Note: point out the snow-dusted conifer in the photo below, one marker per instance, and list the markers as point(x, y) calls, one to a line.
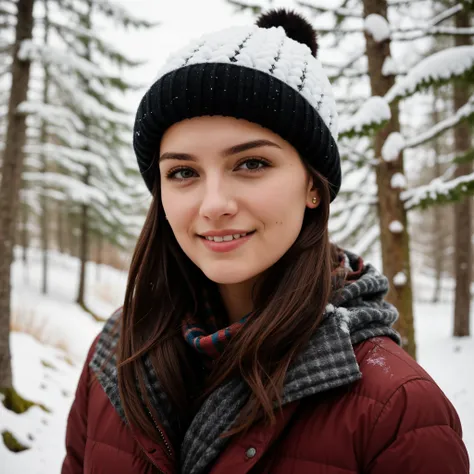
point(87, 135)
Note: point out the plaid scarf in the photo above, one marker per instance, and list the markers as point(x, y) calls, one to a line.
point(203, 333)
point(359, 312)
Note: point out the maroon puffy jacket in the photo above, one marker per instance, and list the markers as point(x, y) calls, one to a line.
point(390, 421)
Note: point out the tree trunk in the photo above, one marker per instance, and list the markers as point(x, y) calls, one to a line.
point(462, 210)
point(24, 214)
point(44, 229)
point(10, 185)
point(436, 230)
point(100, 251)
point(395, 246)
point(59, 228)
point(83, 245)
point(44, 159)
point(84, 216)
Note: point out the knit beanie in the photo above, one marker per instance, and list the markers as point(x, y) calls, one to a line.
point(265, 73)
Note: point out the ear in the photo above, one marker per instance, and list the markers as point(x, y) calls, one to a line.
point(313, 198)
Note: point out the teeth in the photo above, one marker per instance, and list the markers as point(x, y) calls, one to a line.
point(225, 238)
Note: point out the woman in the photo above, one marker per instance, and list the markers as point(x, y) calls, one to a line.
point(247, 342)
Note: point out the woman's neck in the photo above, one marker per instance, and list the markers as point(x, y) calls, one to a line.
point(237, 299)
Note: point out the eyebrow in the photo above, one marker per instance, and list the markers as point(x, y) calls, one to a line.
point(233, 150)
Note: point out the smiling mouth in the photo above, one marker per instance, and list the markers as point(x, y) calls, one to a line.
point(226, 238)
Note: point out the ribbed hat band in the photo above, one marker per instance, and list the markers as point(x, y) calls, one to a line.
point(233, 91)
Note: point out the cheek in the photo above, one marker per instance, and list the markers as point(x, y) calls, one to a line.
point(282, 201)
point(177, 209)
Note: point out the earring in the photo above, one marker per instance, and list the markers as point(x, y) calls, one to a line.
point(315, 200)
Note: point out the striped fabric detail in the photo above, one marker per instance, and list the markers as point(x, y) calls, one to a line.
point(204, 334)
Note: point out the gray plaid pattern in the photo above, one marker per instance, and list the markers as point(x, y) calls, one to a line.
point(358, 312)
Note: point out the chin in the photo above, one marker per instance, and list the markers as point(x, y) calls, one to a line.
point(229, 276)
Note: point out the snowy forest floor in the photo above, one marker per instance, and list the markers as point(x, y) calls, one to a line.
point(51, 336)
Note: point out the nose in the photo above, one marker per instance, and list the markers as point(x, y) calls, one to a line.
point(217, 200)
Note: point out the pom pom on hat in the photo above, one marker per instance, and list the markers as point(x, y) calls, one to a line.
point(296, 27)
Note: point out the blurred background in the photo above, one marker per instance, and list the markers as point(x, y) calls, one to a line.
point(72, 202)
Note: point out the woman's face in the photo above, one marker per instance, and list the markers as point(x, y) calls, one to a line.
point(223, 177)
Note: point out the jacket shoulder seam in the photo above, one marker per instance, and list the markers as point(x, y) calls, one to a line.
point(416, 373)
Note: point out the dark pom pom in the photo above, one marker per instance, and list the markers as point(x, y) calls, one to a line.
point(296, 27)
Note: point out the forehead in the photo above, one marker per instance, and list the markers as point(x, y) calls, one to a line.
point(214, 133)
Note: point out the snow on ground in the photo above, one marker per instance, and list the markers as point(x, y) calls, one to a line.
point(50, 340)
point(55, 316)
point(40, 374)
point(47, 371)
point(448, 361)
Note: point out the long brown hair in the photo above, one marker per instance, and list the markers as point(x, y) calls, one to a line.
point(164, 286)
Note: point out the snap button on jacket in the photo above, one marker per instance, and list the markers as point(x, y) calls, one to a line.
point(395, 419)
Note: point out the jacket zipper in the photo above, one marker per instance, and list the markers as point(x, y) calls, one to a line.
point(168, 448)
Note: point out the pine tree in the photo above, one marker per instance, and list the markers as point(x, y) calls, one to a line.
point(10, 185)
point(462, 210)
point(66, 140)
point(8, 15)
point(85, 135)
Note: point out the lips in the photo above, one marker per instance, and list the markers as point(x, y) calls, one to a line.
point(226, 237)
point(225, 245)
point(223, 232)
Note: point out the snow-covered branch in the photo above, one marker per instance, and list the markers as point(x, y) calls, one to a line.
point(107, 49)
point(342, 68)
point(438, 191)
point(373, 114)
point(356, 158)
point(112, 11)
point(354, 202)
point(410, 34)
point(240, 6)
point(5, 48)
point(77, 191)
point(86, 104)
point(436, 69)
point(66, 60)
point(51, 114)
point(82, 157)
point(367, 240)
point(352, 225)
point(342, 12)
point(396, 3)
point(8, 9)
point(443, 16)
point(464, 113)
